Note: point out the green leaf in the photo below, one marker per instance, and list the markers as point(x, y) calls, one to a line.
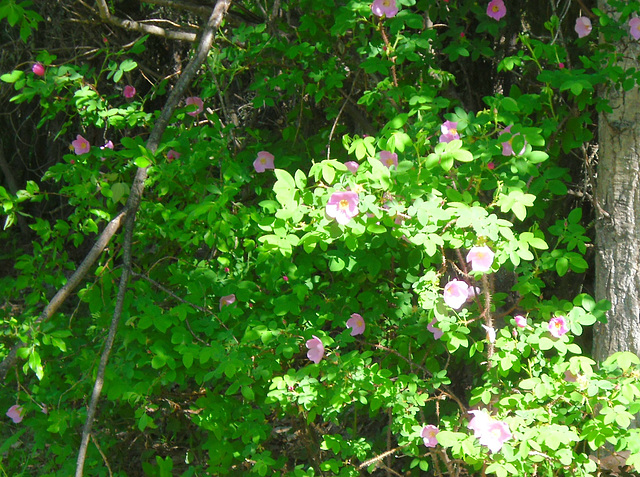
point(12, 77)
point(142, 162)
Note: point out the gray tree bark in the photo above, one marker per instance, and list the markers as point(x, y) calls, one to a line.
point(618, 195)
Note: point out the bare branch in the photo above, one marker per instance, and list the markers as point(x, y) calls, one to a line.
point(132, 25)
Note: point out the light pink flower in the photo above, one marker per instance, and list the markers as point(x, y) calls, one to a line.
point(481, 419)
point(449, 131)
point(437, 332)
point(263, 162)
point(496, 9)
point(80, 145)
point(342, 206)
point(38, 69)
point(352, 166)
point(172, 155)
point(16, 413)
point(583, 26)
point(558, 326)
point(199, 105)
point(634, 28)
point(428, 435)
point(356, 323)
point(108, 145)
point(227, 300)
point(491, 333)
point(456, 293)
point(570, 377)
point(495, 435)
point(472, 293)
point(387, 8)
point(521, 321)
point(129, 92)
point(389, 159)
point(481, 258)
point(316, 349)
point(489, 432)
point(507, 146)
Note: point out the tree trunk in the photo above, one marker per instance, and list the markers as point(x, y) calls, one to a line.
point(618, 195)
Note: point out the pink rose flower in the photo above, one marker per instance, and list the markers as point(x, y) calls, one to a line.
point(108, 145)
point(172, 155)
point(428, 435)
point(81, 145)
point(38, 69)
point(316, 349)
point(496, 9)
point(583, 26)
point(227, 300)
point(263, 162)
point(16, 413)
point(481, 258)
point(558, 326)
point(352, 166)
point(437, 332)
point(456, 293)
point(634, 28)
point(507, 146)
point(495, 435)
point(489, 432)
point(449, 131)
point(356, 323)
point(389, 159)
point(387, 8)
point(129, 92)
point(342, 206)
point(199, 105)
point(521, 321)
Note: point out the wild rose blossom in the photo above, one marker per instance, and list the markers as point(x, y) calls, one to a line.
point(490, 432)
point(496, 9)
point(634, 28)
point(437, 332)
point(583, 26)
point(352, 166)
point(38, 69)
point(129, 92)
point(449, 131)
point(428, 435)
point(81, 145)
point(316, 349)
point(356, 323)
point(558, 326)
point(507, 146)
point(389, 159)
point(16, 413)
point(456, 293)
point(227, 300)
point(342, 206)
point(521, 321)
point(481, 258)
point(387, 8)
point(263, 162)
point(199, 105)
point(472, 293)
point(107, 145)
point(172, 155)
